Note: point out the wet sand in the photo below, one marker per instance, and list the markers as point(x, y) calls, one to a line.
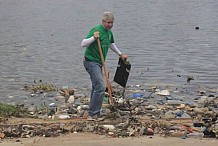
point(84, 139)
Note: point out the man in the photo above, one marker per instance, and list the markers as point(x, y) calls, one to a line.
point(92, 61)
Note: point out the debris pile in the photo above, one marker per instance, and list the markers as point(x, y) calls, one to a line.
point(132, 127)
point(136, 113)
point(40, 87)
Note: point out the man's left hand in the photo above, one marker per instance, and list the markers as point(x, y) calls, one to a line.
point(123, 56)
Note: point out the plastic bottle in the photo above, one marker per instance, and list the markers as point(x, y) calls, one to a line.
point(195, 135)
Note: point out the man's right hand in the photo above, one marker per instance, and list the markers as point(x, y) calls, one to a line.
point(96, 35)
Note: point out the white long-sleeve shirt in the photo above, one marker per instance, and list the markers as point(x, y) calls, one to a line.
point(87, 42)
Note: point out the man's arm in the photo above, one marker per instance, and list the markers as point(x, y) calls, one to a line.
point(114, 48)
point(87, 42)
point(117, 51)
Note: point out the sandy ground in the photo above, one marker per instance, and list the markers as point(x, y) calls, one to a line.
point(84, 139)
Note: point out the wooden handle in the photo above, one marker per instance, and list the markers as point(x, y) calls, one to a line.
point(105, 73)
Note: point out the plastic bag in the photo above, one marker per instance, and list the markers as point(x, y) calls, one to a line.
point(122, 72)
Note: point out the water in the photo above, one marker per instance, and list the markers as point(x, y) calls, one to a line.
point(41, 40)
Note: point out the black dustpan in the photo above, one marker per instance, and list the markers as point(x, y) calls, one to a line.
point(122, 72)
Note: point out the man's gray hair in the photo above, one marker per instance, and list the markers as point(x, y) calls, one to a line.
point(107, 16)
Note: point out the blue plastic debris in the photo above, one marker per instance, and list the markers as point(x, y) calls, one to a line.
point(137, 95)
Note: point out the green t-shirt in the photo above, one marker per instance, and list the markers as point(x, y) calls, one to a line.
point(106, 38)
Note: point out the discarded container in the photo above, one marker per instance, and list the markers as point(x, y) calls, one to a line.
point(163, 93)
point(52, 104)
point(195, 135)
point(109, 127)
point(64, 116)
point(84, 107)
point(105, 99)
point(52, 109)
